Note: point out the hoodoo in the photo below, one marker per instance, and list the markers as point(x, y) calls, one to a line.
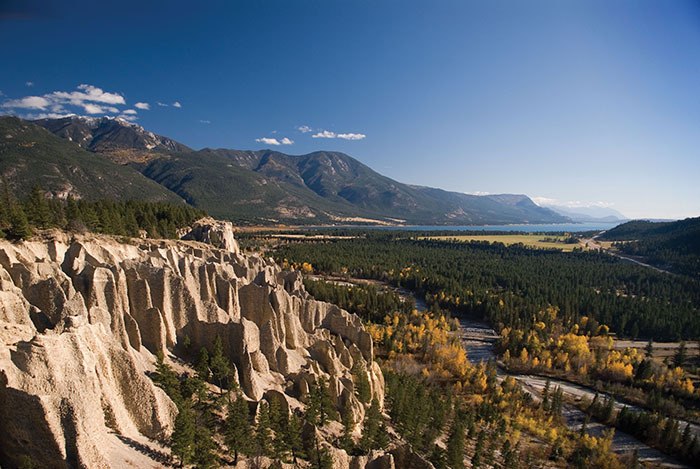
point(83, 316)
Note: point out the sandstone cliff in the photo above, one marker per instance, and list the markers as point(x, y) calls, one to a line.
point(82, 317)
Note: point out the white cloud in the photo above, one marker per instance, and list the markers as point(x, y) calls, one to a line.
point(177, 104)
point(128, 117)
point(91, 108)
point(29, 84)
point(130, 112)
point(144, 106)
point(304, 129)
point(324, 134)
point(549, 202)
point(161, 104)
point(204, 121)
point(479, 193)
point(345, 136)
point(352, 136)
point(28, 102)
point(268, 141)
point(87, 93)
point(47, 115)
point(286, 141)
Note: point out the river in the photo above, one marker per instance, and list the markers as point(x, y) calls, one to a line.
point(479, 339)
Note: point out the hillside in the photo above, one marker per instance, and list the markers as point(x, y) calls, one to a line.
point(30, 155)
point(674, 245)
point(272, 187)
point(122, 141)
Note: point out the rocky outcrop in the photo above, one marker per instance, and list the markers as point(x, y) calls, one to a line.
point(217, 233)
point(82, 317)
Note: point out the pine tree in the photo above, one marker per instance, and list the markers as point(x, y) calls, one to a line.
point(204, 447)
point(478, 450)
point(37, 209)
point(373, 430)
point(346, 441)
point(279, 421)
point(167, 379)
point(294, 437)
point(19, 224)
point(680, 356)
point(649, 349)
point(362, 387)
point(263, 436)
point(455, 444)
point(238, 430)
point(220, 365)
point(182, 440)
point(202, 365)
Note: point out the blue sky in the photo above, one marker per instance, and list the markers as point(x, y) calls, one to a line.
point(577, 102)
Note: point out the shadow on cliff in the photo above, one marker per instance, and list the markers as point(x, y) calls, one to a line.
point(156, 455)
point(25, 436)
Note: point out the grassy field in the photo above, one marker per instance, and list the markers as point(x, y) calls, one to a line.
point(532, 240)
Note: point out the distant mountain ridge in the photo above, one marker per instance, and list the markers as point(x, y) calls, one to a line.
point(588, 214)
point(30, 155)
point(267, 186)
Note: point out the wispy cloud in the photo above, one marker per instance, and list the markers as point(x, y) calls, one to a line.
point(352, 136)
point(91, 108)
point(305, 129)
point(84, 99)
point(274, 141)
point(161, 104)
point(91, 99)
point(28, 102)
point(549, 202)
point(28, 84)
point(344, 136)
point(204, 121)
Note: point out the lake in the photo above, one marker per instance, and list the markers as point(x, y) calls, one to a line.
point(567, 227)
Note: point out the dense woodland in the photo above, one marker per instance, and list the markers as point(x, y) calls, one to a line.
point(18, 219)
point(669, 245)
point(421, 356)
point(511, 286)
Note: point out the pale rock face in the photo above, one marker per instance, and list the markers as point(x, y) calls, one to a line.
point(81, 319)
point(215, 232)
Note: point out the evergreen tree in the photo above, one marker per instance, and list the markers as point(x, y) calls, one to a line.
point(362, 386)
point(19, 224)
point(455, 443)
point(202, 365)
point(183, 438)
point(649, 349)
point(220, 365)
point(680, 356)
point(373, 429)
point(204, 447)
point(346, 441)
point(478, 450)
point(279, 422)
point(167, 379)
point(238, 430)
point(37, 209)
point(263, 435)
point(294, 437)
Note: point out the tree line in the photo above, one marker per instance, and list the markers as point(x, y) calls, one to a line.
point(508, 286)
point(19, 219)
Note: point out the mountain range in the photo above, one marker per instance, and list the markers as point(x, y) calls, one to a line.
point(94, 157)
point(588, 214)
